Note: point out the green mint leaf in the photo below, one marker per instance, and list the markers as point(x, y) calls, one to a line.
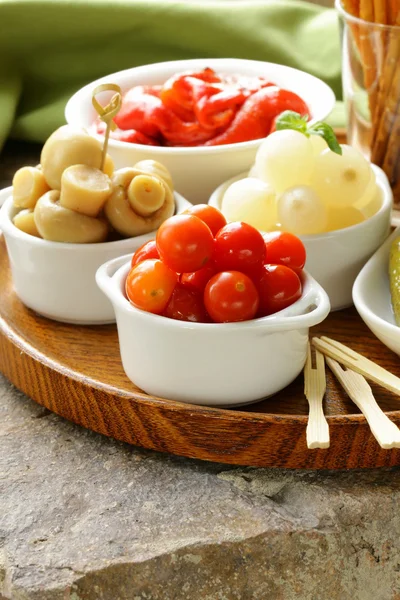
point(291, 120)
point(326, 132)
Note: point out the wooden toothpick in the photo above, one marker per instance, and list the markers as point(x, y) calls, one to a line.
point(108, 112)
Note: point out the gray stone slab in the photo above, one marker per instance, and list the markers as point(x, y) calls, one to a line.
point(83, 517)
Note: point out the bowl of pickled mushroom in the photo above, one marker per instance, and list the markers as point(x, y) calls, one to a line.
point(336, 202)
point(204, 119)
point(64, 218)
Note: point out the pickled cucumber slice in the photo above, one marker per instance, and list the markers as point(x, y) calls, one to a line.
point(394, 277)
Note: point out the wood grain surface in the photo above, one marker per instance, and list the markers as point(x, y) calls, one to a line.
point(76, 372)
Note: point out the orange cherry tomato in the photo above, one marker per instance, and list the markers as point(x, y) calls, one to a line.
point(210, 215)
point(150, 284)
point(231, 296)
point(185, 243)
point(146, 250)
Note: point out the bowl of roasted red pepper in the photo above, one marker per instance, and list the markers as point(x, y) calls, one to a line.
point(203, 118)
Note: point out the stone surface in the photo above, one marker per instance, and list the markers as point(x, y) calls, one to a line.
point(83, 517)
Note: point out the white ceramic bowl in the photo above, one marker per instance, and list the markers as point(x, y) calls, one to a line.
point(371, 295)
point(198, 171)
point(334, 259)
point(57, 280)
point(207, 363)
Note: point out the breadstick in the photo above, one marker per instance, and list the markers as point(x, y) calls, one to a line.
point(380, 11)
point(393, 10)
point(387, 98)
point(368, 53)
point(352, 7)
point(386, 148)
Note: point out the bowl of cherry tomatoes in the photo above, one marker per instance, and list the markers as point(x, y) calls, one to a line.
point(202, 118)
point(210, 312)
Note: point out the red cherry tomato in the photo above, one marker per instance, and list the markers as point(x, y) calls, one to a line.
point(210, 215)
point(283, 248)
point(239, 247)
point(185, 243)
point(186, 305)
point(197, 280)
point(231, 296)
point(146, 250)
point(150, 284)
point(278, 288)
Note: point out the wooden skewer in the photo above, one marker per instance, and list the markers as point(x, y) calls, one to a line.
point(385, 432)
point(314, 389)
point(357, 363)
point(107, 113)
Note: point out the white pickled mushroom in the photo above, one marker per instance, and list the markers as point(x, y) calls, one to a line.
point(140, 202)
point(341, 180)
point(59, 224)
point(108, 168)
point(153, 167)
point(28, 185)
point(146, 194)
point(25, 221)
point(85, 189)
point(285, 159)
point(252, 201)
point(65, 147)
point(301, 211)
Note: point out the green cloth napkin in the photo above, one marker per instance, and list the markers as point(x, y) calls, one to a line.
point(50, 48)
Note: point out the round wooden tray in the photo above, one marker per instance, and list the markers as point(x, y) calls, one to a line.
point(76, 372)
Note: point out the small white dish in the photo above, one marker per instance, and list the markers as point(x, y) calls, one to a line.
point(197, 171)
point(335, 258)
point(208, 363)
point(57, 280)
point(371, 296)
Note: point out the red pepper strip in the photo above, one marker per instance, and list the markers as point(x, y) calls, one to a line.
point(137, 112)
point(148, 115)
point(177, 97)
point(218, 110)
point(177, 91)
point(133, 136)
point(253, 121)
point(250, 83)
point(181, 133)
point(127, 135)
point(206, 74)
point(153, 90)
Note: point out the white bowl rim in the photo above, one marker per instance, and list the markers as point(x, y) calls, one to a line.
point(73, 103)
point(358, 298)
point(8, 227)
point(278, 321)
point(387, 201)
